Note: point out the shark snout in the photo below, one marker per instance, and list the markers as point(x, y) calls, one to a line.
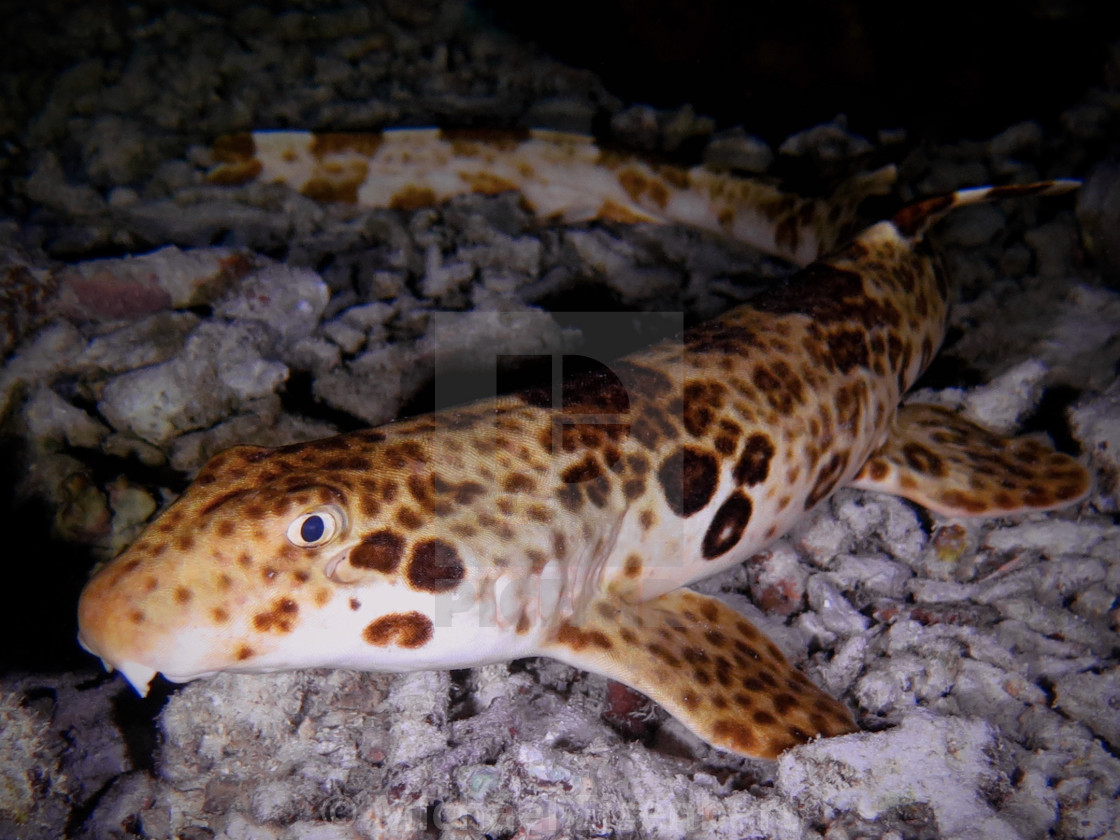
point(104, 619)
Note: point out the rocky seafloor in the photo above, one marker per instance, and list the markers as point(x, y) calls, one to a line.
point(150, 320)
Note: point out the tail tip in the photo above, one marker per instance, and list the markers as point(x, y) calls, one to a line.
point(915, 219)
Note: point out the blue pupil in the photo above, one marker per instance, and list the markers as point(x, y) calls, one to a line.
point(312, 529)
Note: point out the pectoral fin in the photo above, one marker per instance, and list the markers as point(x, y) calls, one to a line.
point(954, 467)
point(707, 666)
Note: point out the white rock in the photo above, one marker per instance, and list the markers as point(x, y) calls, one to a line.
point(821, 536)
point(348, 338)
point(1094, 602)
point(1053, 244)
point(417, 713)
point(838, 675)
point(1022, 138)
point(369, 387)
point(519, 255)
point(48, 186)
point(1094, 699)
point(288, 300)
point(939, 591)
point(1048, 536)
point(1033, 807)
point(368, 316)
point(40, 359)
point(239, 828)
point(148, 341)
point(313, 354)
point(253, 378)
point(51, 420)
point(827, 141)
point(1096, 423)
point(220, 367)
point(875, 573)
point(777, 579)
point(1004, 401)
point(838, 615)
point(735, 149)
point(440, 277)
point(979, 690)
point(191, 450)
point(941, 762)
point(971, 227)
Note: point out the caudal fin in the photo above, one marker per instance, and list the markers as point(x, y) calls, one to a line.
point(915, 219)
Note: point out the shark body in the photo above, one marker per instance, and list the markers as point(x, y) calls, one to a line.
point(569, 524)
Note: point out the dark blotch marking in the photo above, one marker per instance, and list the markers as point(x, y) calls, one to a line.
point(435, 567)
point(280, 619)
point(913, 218)
point(570, 497)
point(254, 511)
point(784, 702)
point(966, 502)
point(727, 526)
point(408, 630)
point(420, 488)
point(217, 501)
point(598, 491)
point(380, 551)
point(718, 337)
point(539, 513)
point(827, 479)
point(823, 292)
point(848, 349)
point(584, 470)
point(723, 672)
point(754, 464)
point(763, 718)
point(736, 734)
point(781, 387)
point(923, 460)
point(409, 518)
point(877, 469)
point(468, 491)
point(519, 483)
point(595, 391)
point(701, 402)
point(688, 479)
point(727, 439)
point(578, 639)
point(662, 653)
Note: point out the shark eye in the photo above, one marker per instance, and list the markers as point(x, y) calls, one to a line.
point(315, 528)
